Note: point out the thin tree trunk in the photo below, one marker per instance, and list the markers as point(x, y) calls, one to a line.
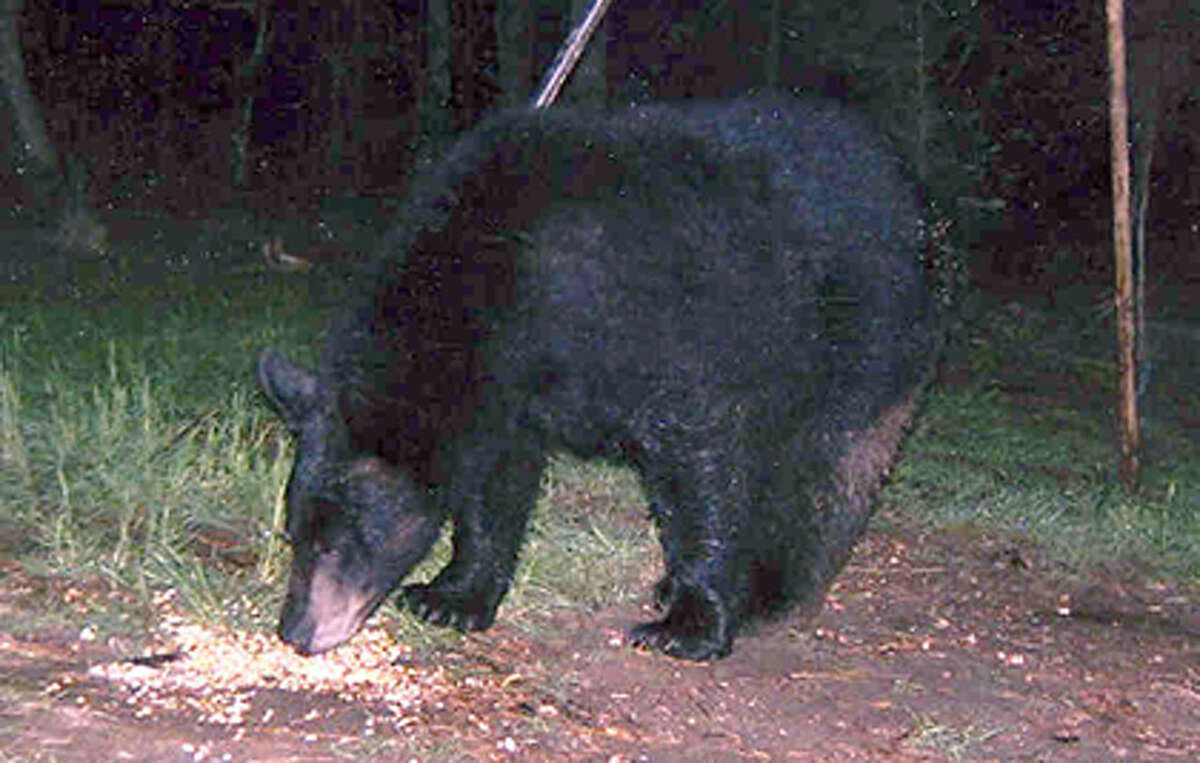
point(433, 104)
point(774, 55)
point(247, 80)
point(78, 228)
point(922, 106)
point(31, 127)
point(1130, 436)
point(1149, 62)
point(1145, 160)
point(514, 51)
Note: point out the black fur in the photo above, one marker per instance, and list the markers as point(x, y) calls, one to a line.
point(725, 294)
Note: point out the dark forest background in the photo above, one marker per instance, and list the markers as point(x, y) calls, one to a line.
point(288, 110)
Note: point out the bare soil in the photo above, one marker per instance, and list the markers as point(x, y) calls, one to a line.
point(955, 646)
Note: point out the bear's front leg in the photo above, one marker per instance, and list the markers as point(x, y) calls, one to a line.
point(489, 524)
point(701, 506)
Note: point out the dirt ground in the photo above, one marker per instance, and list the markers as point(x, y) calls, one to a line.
point(960, 646)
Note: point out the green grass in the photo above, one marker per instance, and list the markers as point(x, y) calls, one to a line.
point(135, 449)
point(1048, 477)
point(1024, 443)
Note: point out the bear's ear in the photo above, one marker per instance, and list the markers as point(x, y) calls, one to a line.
point(290, 388)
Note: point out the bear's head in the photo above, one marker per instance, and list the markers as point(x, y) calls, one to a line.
point(357, 524)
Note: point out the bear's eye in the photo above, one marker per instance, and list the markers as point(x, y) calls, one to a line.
point(313, 525)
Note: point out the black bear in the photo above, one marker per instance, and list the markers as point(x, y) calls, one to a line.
point(726, 295)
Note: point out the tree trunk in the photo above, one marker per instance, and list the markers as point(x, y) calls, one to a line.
point(1130, 436)
point(514, 51)
point(78, 228)
point(246, 83)
point(433, 103)
point(31, 128)
point(774, 54)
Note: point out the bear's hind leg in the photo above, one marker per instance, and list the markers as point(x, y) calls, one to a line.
point(701, 511)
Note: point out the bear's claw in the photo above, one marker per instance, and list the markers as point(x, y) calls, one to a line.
point(464, 613)
point(698, 625)
point(687, 646)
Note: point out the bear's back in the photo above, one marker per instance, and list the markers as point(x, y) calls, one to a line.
point(631, 256)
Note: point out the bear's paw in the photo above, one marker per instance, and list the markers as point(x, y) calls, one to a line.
point(440, 606)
